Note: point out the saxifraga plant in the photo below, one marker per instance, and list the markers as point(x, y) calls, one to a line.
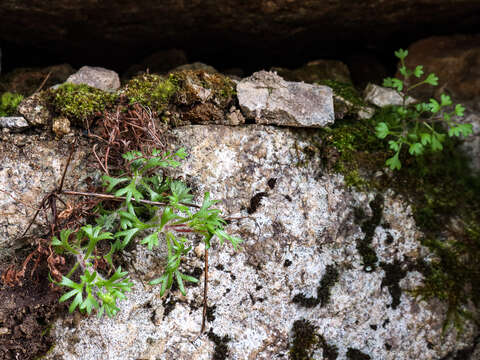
point(154, 208)
point(420, 126)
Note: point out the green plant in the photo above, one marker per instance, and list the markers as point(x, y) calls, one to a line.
point(153, 207)
point(420, 126)
point(9, 103)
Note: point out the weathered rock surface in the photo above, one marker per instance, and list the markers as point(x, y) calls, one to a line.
point(264, 25)
point(297, 222)
point(30, 167)
point(268, 99)
point(35, 110)
point(456, 62)
point(97, 77)
point(381, 96)
point(13, 123)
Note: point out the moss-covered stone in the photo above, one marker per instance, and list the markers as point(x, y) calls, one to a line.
point(443, 194)
point(79, 103)
point(152, 91)
point(323, 290)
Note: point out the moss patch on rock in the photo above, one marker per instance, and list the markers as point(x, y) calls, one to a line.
point(153, 91)
point(9, 103)
point(306, 340)
point(79, 103)
point(443, 193)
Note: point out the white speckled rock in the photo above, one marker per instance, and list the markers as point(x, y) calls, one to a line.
point(97, 77)
point(14, 123)
point(303, 223)
point(269, 99)
point(30, 167)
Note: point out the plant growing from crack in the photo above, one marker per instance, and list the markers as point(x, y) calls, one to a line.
point(153, 208)
point(421, 126)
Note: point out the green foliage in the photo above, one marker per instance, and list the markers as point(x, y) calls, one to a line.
point(166, 213)
point(152, 91)
point(9, 103)
point(80, 102)
point(421, 127)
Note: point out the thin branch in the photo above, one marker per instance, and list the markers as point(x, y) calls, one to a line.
point(205, 293)
point(43, 82)
point(72, 150)
point(121, 198)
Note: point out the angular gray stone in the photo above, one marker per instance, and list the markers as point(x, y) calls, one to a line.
point(269, 99)
point(14, 123)
point(381, 96)
point(304, 223)
point(97, 77)
point(35, 110)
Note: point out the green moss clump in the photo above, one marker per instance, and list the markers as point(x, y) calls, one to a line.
point(222, 88)
point(79, 103)
point(9, 103)
point(152, 91)
point(346, 91)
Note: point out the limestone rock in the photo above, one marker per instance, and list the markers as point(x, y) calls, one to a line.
point(302, 228)
point(269, 99)
point(35, 110)
point(381, 96)
point(13, 123)
point(97, 77)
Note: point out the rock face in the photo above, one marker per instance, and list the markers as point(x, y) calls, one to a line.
point(268, 99)
point(456, 62)
point(299, 262)
point(31, 167)
point(299, 24)
point(96, 77)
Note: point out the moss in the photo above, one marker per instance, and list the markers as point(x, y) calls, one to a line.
point(221, 88)
point(369, 257)
point(306, 340)
point(221, 350)
point(393, 274)
point(347, 102)
point(152, 91)
point(9, 103)
point(355, 354)
point(443, 194)
point(323, 290)
point(79, 103)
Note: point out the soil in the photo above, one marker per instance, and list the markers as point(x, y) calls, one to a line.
point(27, 312)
